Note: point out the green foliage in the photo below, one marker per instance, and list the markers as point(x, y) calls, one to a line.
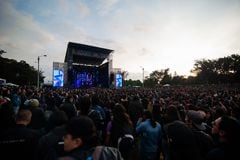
point(157, 77)
point(20, 73)
point(132, 83)
point(148, 82)
point(221, 70)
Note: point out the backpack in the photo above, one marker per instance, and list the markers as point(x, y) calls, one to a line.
point(127, 139)
point(96, 153)
point(104, 153)
point(125, 146)
point(97, 119)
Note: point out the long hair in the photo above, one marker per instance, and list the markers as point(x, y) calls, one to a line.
point(120, 116)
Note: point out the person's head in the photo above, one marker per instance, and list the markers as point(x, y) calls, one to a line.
point(32, 103)
point(181, 141)
point(79, 132)
point(172, 114)
point(194, 119)
point(57, 118)
point(6, 113)
point(85, 104)
point(227, 129)
point(120, 115)
point(69, 99)
point(24, 117)
point(95, 99)
point(148, 115)
point(69, 109)
point(118, 109)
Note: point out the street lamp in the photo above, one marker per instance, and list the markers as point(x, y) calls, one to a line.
point(142, 76)
point(38, 69)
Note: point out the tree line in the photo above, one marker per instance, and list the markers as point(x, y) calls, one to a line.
point(224, 70)
point(20, 73)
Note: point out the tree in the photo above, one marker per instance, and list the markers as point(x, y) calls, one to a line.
point(157, 76)
point(132, 83)
point(221, 70)
point(167, 78)
point(178, 80)
point(1, 52)
point(18, 72)
point(148, 82)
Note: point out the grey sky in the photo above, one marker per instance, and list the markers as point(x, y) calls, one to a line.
point(156, 34)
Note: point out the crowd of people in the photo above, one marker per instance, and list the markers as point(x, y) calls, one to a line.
point(168, 123)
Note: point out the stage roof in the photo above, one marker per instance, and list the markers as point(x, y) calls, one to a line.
point(85, 54)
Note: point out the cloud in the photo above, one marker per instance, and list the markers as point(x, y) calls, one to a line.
point(19, 28)
point(106, 6)
point(64, 5)
point(83, 9)
point(155, 34)
point(23, 38)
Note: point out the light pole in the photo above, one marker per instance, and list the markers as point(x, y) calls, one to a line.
point(38, 69)
point(142, 76)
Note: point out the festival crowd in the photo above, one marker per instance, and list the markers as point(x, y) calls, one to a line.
point(165, 123)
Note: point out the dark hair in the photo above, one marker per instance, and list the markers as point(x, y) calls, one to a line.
point(156, 113)
point(81, 127)
point(120, 116)
point(95, 99)
point(148, 115)
point(173, 114)
point(85, 104)
point(57, 118)
point(24, 115)
point(69, 109)
point(232, 129)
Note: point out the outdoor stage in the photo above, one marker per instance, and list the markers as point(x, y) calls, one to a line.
point(84, 67)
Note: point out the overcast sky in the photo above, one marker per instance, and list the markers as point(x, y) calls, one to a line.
point(155, 34)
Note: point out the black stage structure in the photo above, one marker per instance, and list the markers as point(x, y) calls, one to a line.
point(87, 66)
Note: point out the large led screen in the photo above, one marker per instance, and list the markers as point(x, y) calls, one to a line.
point(84, 79)
point(58, 78)
point(119, 80)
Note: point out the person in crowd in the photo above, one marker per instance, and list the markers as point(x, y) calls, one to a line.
point(79, 139)
point(38, 117)
point(194, 120)
point(226, 129)
point(68, 107)
point(135, 109)
point(120, 132)
point(6, 114)
point(150, 133)
point(157, 112)
point(16, 100)
point(97, 109)
point(179, 142)
point(50, 146)
point(19, 142)
point(85, 109)
point(217, 101)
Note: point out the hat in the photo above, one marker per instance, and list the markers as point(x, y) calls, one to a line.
point(33, 103)
point(197, 119)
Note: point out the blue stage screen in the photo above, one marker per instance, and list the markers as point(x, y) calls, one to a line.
point(84, 79)
point(119, 80)
point(58, 78)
